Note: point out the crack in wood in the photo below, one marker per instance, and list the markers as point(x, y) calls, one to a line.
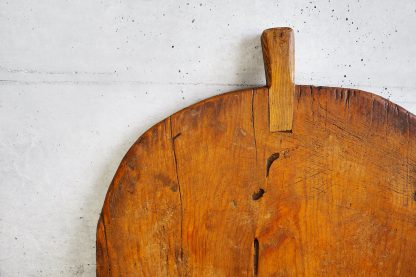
point(256, 258)
point(177, 180)
point(106, 243)
point(176, 136)
point(258, 194)
point(270, 161)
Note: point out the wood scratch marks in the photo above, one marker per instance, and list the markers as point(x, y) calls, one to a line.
point(334, 201)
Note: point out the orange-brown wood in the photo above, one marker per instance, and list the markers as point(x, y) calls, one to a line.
point(279, 62)
point(210, 191)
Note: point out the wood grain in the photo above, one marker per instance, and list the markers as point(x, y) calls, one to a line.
point(139, 232)
point(279, 62)
point(211, 191)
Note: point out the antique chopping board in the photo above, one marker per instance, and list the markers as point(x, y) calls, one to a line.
point(282, 180)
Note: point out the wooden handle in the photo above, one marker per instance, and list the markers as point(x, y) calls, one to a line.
point(279, 61)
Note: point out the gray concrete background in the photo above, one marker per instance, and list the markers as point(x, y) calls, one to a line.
point(81, 80)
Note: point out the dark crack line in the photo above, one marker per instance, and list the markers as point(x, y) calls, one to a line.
point(177, 180)
point(256, 258)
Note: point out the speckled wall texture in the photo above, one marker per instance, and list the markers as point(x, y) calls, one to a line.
point(81, 80)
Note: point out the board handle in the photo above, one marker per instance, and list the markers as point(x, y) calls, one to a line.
point(278, 46)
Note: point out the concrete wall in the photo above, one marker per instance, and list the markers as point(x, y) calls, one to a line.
point(81, 80)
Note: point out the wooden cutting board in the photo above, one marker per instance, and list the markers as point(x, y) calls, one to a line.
point(281, 180)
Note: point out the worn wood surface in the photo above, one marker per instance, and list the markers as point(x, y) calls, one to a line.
point(273, 181)
point(278, 46)
point(210, 191)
